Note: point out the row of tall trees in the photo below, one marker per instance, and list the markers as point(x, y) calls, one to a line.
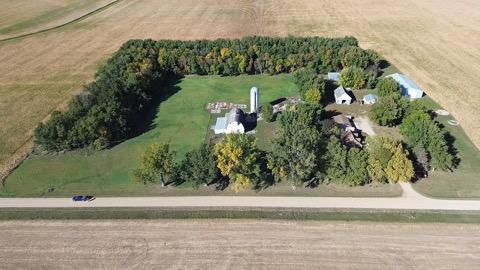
point(108, 110)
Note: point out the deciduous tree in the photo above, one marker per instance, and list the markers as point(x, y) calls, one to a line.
point(156, 163)
point(238, 154)
point(352, 77)
point(198, 167)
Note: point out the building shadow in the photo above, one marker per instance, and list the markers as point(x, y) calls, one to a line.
point(250, 122)
point(329, 96)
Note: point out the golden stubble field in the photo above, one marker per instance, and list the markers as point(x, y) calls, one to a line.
point(237, 244)
point(436, 42)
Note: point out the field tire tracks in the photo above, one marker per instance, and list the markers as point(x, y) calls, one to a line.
point(81, 18)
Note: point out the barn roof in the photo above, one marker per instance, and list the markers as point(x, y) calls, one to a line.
point(221, 123)
point(235, 115)
point(340, 91)
point(404, 81)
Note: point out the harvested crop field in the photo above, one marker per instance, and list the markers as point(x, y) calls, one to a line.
point(239, 244)
point(433, 41)
point(27, 16)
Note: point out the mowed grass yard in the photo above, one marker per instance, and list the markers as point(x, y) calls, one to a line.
point(181, 121)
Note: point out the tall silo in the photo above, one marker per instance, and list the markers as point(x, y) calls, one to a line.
point(254, 98)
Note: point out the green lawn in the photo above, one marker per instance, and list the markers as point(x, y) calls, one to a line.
point(407, 216)
point(181, 121)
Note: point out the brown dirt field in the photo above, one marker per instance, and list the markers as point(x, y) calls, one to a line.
point(237, 244)
point(433, 41)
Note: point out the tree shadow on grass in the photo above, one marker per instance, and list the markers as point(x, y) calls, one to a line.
point(163, 90)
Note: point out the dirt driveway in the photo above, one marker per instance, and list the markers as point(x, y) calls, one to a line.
point(363, 123)
point(237, 244)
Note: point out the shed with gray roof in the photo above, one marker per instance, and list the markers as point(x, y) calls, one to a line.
point(341, 96)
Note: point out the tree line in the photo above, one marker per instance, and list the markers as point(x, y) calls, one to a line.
point(108, 110)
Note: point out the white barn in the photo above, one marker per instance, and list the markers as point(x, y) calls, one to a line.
point(231, 123)
point(341, 96)
point(407, 86)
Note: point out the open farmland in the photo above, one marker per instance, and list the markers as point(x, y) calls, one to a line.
point(239, 244)
point(28, 16)
point(434, 42)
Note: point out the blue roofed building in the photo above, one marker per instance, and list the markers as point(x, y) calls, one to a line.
point(221, 125)
point(369, 99)
point(407, 86)
point(333, 76)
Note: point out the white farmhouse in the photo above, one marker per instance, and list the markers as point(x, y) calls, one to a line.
point(231, 123)
point(407, 86)
point(341, 96)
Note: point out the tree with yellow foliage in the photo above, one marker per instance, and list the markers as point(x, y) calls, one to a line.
point(313, 96)
point(238, 159)
point(388, 160)
point(241, 182)
point(399, 168)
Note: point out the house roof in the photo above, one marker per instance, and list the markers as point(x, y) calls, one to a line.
point(334, 76)
point(370, 97)
point(341, 119)
point(235, 115)
point(404, 81)
point(340, 91)
point(221, 123)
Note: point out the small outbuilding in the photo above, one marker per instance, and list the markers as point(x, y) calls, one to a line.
point(231, 123)
point(341, 96)
point(369, 99)
point(333, 76)
point(407, 86)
